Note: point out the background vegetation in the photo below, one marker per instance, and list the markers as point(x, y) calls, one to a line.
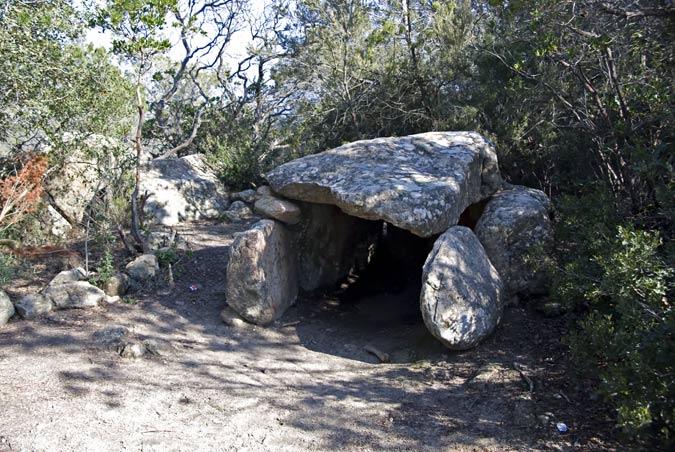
point(576, 95)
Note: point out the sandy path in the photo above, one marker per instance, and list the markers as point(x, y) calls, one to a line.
point(304, 383)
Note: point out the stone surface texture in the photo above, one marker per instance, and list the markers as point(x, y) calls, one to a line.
point(247, 196)
point(6, 308)
point(462, 293)
point(261, 273)
point(66, 276)
point(143, 267)
point(278, 209)
point(117, 285)
point(33, 305)
point(327, 243)
point(78, 294)
point(516, 232)
point(420, 183)
point(182, 189)
point(72, 185)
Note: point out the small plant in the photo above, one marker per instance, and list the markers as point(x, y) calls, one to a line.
point(166, 256)
point(106, 266)
point(7, 270)
point(129, 300)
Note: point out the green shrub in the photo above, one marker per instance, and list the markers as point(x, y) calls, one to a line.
point(7, 268)
point(627, 334)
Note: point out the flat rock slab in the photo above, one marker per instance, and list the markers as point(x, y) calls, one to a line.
point(420, 183)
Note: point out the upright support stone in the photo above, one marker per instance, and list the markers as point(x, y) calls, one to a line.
point(262, 278)
point(326, 241)
point(516, 232)
point(461, 299)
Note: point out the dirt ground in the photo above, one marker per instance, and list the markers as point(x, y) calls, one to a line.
point(303, 384)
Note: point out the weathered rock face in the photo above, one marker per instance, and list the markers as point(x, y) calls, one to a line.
point(420, 183)
point(326, 242)
point(72, 186)
point(143, 267)
point(117, 285)
point(514, 227)
point(261, 273)
point(278, 209)
point(461, 299)
point(182, 189)
point(78, 294)
point(33, 305)
point(76, 274)
point(6, 308)
point(247, 196)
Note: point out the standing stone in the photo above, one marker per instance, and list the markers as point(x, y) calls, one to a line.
point(6, 308)
point(33, 305)
point(420, 183)
point(516, 232)
point(78, 294)
point(278, 209)
point(327, 243)
point(461, 299)
point(261, 273)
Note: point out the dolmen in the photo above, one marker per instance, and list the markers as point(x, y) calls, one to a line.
point(322, 210)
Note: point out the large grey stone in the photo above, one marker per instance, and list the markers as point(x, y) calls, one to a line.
point(238, 211)
point(72, 185)
point(261, 273)
point(462, 294)
point(78, 294)
point(33, 305)
point(516, 232)
point(247, 196)
point(6, 308)
point(182, 189)
point(420, 183)
point(143, 267)
point(278, 209)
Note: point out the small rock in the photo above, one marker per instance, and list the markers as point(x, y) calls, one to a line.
point(110, 335)
point(552, 309)
point(116, 285)
point(74, 275)
point(231, 318)
point(6, 308)
point(112, 299)
point(157, 348)
point(78, 294)
point(247, 196)
point(238, 211)
point(143, 267)
point(545, 419)
point(278, 209)
point(33, 305)
point(265, 190)
point(133, 350)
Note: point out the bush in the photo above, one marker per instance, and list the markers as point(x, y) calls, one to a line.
point(627, 333)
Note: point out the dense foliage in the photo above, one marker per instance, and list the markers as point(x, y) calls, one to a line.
point(577, 96)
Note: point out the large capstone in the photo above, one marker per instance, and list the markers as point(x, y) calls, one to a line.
point(182, 189)
point(420, 183)
point(261, 273)
point(516, 232)
point(462, 293)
